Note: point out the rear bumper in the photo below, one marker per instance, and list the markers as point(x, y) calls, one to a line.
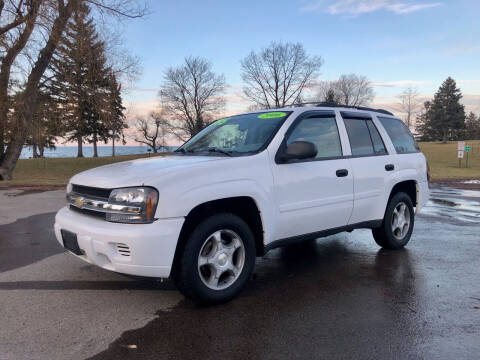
point(423, 194)
point(136, 249)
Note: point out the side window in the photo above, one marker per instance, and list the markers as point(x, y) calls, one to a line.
point(359, 137)
point(321, 131)
point(378, 145)
point(401, 137)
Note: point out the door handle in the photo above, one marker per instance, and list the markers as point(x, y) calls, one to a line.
point(389, 167)
point(342, 172)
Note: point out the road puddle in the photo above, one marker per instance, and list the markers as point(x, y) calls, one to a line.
point(453, 203)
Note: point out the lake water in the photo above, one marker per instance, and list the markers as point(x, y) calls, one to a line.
point(71, 151)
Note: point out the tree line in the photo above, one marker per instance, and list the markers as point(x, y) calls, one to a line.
point(444, 119)
point(58, 78)
point(192, 94)
point(38, 97)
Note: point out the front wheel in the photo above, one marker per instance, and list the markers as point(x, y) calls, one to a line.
point(218, 259)
point(397, 225)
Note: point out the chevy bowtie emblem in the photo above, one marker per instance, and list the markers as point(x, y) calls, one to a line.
point(79, 201)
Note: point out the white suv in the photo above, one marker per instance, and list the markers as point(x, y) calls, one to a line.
point(242, 186)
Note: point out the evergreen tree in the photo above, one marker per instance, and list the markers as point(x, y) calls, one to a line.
point(472, 127)
point(79, 81)
point(445, 117)
point(331, 97)
point(423, 125)
point(46, 125)
point(116, 121)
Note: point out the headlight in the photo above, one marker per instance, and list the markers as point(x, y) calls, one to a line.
point(132, 205)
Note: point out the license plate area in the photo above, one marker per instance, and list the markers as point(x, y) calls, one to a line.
point(70, 242)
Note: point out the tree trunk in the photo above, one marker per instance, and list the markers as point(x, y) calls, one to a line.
point(2, 137)
point(29, 98)
point(79, 147)
point(5, 69)
point(95, 149)
point(444, 139)
point(113, 146)
point(42, 150)
point(34, 151)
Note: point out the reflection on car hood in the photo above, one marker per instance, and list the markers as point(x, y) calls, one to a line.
point(137, 172)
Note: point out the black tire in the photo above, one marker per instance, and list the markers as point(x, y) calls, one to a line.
point(384, 235)
point(187, 278)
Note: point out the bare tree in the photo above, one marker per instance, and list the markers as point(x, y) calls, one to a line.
point(278, 74)
point(409, 104)
point(17, 13)
point(55, 15)
point(153, 130)
point(192, 95)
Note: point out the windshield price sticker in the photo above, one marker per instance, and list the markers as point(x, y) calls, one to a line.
point(272, 115)
point(221, 121)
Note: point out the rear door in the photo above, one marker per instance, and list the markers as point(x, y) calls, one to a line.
point(315, 194)
point(370, 163)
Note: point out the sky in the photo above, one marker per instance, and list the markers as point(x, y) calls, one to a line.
point(395, 43)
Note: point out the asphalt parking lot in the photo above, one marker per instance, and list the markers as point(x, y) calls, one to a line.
point(338, 297)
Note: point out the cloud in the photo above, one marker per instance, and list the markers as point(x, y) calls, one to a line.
point(357, 7)
point(400, 83)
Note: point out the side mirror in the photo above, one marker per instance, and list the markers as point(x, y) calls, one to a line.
point(299, 150)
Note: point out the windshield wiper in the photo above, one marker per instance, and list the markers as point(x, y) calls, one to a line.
point(217, 150)
point(183, 151)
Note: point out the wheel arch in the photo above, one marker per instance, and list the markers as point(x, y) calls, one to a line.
point(243, 206)
point(410, 187)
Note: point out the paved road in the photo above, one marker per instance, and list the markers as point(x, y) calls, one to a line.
point(338, 297)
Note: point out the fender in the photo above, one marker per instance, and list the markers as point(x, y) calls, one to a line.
point(227, 189)
point(391, 181)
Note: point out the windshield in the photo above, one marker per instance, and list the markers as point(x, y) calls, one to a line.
point(236, 135)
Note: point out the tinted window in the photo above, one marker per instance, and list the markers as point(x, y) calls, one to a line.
point(377, 141)
point(401, 137)
point(321, 131)
point(359, 137)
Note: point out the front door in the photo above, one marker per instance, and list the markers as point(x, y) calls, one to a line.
point(315, 194)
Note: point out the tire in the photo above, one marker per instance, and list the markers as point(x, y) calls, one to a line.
point(392, 234)
point(212, 269)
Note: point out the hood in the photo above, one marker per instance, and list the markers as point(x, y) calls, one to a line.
point(137, 172)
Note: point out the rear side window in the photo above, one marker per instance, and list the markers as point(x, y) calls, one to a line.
point(401, 137)
point(359, 137)
point(378, 145)
point(321, 131)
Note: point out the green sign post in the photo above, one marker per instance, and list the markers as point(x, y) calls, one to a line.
point(467, 150)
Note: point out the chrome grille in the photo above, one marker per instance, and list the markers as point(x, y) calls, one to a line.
point(91, 192)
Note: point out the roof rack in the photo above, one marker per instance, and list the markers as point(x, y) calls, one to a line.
point(330, 104)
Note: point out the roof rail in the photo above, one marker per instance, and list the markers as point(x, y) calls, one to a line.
point(330, 104)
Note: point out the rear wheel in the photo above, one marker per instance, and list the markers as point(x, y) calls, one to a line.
point(397, 225)
point(218, 259)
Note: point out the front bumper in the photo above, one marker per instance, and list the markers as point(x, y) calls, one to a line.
point(135, 249)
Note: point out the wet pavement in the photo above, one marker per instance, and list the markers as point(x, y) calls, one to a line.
point(337, 297)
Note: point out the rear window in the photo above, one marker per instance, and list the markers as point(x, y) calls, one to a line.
point(401, 137)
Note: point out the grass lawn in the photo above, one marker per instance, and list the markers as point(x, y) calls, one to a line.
point(56, 172)
point(443, 160)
